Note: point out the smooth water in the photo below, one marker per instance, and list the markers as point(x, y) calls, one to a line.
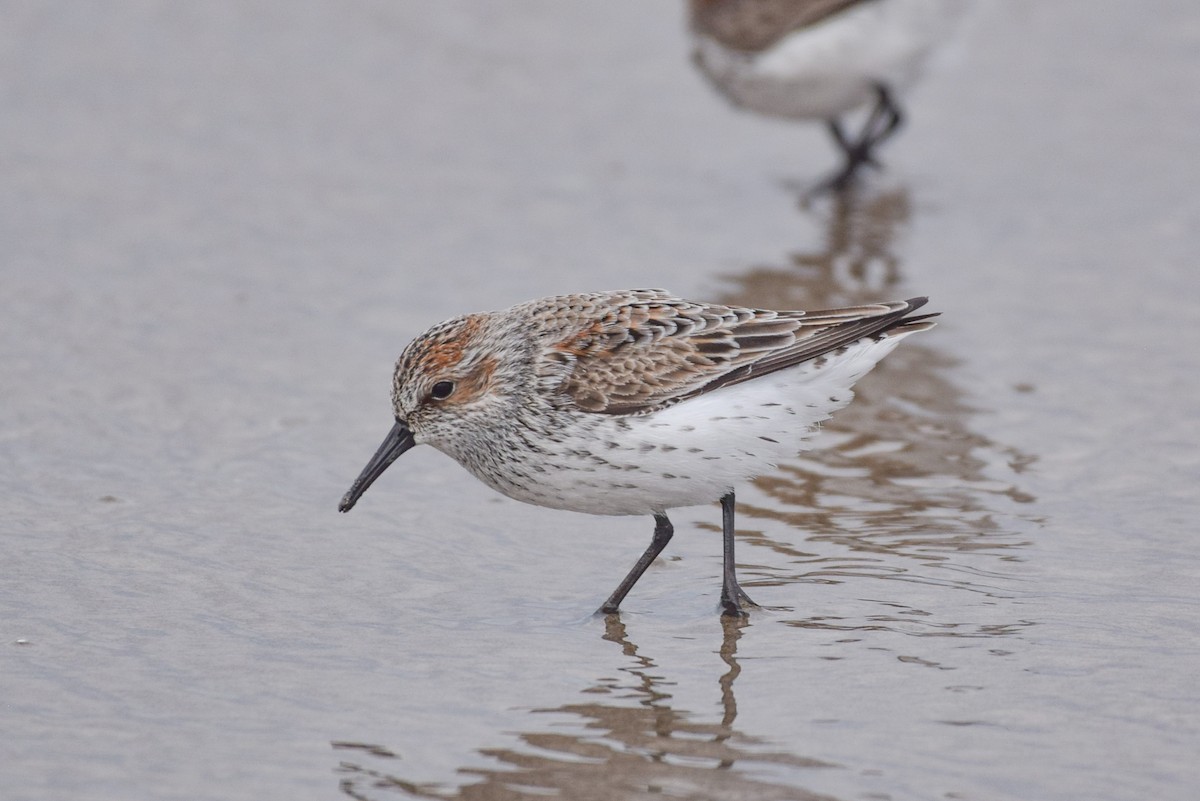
point(222, 222)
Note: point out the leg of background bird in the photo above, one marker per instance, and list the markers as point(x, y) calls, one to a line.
point(856, 154)
point(839, 137)
point(878, 116)
point(897, 115)
point(663, 530)
point(732, 594)
point(885, 118)
point(882, 121)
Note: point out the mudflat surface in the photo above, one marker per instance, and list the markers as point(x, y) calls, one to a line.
point(221, 222)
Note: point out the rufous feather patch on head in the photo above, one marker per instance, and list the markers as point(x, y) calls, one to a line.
point(445, 352)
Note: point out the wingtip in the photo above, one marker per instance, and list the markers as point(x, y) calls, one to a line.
point(913, 305)
point(909, 325)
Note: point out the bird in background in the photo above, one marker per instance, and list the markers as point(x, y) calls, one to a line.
point(631, 402)
point(821, 60)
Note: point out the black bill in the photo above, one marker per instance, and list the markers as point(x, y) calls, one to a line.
point(398, 440)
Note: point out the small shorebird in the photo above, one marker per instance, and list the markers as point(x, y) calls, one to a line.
point(819, 60)
point(631, 402)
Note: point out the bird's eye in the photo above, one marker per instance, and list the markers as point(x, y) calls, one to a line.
point(441, 390)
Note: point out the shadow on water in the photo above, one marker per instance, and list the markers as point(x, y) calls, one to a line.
point(637, 743)
point(898, 486)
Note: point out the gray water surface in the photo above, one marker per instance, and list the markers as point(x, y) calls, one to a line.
point(221, 222)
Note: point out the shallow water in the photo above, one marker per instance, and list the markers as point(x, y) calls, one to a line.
point(222, 223)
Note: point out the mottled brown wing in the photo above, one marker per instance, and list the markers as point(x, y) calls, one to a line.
point(754, 25)
point(825, 332)
point(647, 353)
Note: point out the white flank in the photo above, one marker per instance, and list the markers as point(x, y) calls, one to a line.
point(699, 449)
point(833, 67)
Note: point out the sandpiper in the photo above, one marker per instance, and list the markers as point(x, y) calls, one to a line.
point(631, 402)
point(819, 60)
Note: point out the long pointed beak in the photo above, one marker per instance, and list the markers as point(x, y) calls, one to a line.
point(398, 440)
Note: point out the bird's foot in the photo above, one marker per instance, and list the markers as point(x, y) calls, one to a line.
point(731, 602)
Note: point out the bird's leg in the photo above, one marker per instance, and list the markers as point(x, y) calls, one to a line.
point(856, 154)
point(663, 530)
point(732, 594)
point(882, 121)
point(839, 137)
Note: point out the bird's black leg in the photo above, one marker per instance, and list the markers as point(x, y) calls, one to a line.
point(856, 156)
point(839, 137)
point(663, 530)
point(882, 121)
point(732, 594)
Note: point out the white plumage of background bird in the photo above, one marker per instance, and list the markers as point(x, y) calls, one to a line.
point(820, 60)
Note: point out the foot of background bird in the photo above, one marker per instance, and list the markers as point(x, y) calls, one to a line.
point(847, 176)
point(840, 181)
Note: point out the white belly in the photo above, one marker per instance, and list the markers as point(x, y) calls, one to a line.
point(833, 67)
point(687, 454)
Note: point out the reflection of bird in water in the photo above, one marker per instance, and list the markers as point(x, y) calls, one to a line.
point(627, 732)
point(819, 60)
